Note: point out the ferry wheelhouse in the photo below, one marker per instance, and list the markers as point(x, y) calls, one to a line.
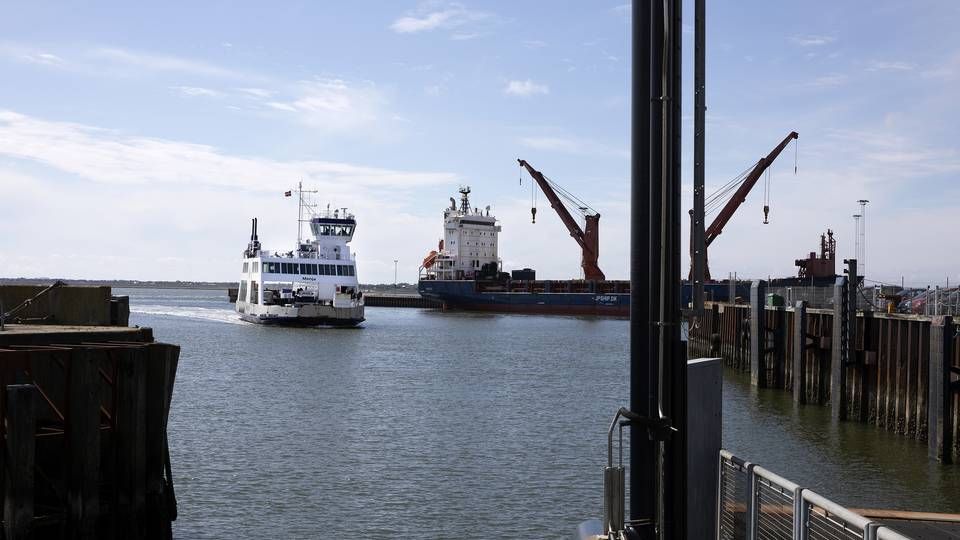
point(313, 285)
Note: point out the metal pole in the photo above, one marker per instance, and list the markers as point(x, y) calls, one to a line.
point(395, 272)
point(699, 154)
point(642, 377)
point(863, 237)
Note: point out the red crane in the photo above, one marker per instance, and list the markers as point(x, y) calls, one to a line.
point(588, 238)
point(715, 228)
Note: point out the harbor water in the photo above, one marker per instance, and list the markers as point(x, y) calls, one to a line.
point(434, 425)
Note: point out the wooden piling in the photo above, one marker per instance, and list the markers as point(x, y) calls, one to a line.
point(19, 461)
point(130, 442)
point(83, 443)
point(758, 334)
point(799, 352)
point(940, 402)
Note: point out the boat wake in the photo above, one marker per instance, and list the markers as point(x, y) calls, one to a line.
point(197, 313)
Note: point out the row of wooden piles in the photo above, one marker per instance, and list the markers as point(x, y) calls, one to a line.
point(900, 374)
point(85, 439)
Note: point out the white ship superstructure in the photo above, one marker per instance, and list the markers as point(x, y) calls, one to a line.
point(314, 284)
point(469, 242)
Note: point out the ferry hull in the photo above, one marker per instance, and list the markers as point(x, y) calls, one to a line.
point(302, 315)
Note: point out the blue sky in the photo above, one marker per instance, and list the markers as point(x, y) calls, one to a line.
point(136, 142)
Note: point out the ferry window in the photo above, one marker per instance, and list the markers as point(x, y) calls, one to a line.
point(256, 266)
point(328, 270)
point(254, 292)
point(294, 268)
point(284, 268)
point(245, 267)
point(242, 293)
point(339, 269)
point(353, 271)
point(317, 269)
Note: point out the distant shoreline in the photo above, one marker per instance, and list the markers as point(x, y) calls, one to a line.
point(193, 285)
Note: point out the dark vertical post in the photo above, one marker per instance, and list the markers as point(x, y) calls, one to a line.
point(83, 443)
point(20, 455)
point(642, 378)
point(758, 334)
point(780, 348)
point(839, 345)
point(129, 443)
point(940, 389)
point(799, 351)
point(157, 514)
point(699, 249)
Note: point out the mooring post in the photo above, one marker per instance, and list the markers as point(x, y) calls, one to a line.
point(839, 351)
point(758, 334)
point(799, 351)
point(83, 443)
point(940, 390)
point(20, 454)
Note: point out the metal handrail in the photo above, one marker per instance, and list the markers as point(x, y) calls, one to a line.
point(805, 503)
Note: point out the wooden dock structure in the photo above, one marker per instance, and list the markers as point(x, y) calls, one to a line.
point(84, 412)
point(898, 372)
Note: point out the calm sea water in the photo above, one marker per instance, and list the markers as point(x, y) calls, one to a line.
point(434, 425)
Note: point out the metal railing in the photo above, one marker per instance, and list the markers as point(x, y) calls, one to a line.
point(756, 504)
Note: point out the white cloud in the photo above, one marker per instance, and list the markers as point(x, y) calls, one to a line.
point(525, 88)
point(195, 91)
point(335, 105)
point(812, 40)
point(433, 17)
point(155, 62)
point(880, 65)
point(107, 156)
point(534, 43)
point(44, 58)
point(257, 92)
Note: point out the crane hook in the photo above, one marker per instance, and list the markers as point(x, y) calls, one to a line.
point(766, 211)
point(533, 213)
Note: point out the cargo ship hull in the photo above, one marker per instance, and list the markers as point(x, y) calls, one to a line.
point(574, 297)
point(471, 295)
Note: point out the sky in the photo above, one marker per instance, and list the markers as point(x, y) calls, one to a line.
point(137, 141)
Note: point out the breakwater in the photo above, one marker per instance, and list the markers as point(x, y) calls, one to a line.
point(897, 372)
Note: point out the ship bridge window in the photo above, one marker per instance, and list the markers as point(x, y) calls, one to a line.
point(339, 269)
point(256, 266)
point(245, 267)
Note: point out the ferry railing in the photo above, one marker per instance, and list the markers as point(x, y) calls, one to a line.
point(754, 503)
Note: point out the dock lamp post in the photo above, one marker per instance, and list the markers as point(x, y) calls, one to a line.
point(395, 272)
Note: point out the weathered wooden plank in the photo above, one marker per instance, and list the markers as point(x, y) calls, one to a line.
point(20, 455)
point(83, 443)
point(129, 442)
point(940, 403)
point(758, 334)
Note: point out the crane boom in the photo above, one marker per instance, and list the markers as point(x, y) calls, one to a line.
point(588, 238)
point(741, 194)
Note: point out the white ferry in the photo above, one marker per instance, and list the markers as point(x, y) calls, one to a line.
point(316, 284)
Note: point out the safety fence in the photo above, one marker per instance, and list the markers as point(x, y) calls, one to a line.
point(757, 504)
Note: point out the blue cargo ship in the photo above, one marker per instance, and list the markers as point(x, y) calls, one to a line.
point(465, 273)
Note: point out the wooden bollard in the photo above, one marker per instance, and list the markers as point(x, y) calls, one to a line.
point(940, 402)
point(758, 334)
point(799, 351)
point(20, 455)
point(83, 443)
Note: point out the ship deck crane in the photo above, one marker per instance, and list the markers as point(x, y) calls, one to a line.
point(587, 237)
point(738, 198)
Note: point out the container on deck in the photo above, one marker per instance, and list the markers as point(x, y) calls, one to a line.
point(527, 274)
